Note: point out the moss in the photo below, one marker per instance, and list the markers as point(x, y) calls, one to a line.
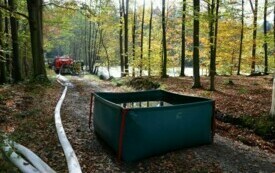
point(140, 83)
point(263, 126)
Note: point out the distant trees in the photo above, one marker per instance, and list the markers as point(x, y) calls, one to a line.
point(80, 34)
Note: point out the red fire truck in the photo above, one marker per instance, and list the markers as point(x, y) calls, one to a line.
point(63, 64)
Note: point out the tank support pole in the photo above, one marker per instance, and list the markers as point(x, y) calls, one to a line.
point(213, 127)
point(91, 109)
point(122, 129)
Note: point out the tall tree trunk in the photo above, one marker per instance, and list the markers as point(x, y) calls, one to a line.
point(183, 38)
point(255, 13)
point(86, 44)
point(265, 39)
point(89, 48)
point(141, 41)
point(126, 37)
point(7, 45)
point(3, 75)
point(134, 36)
point(216, 32)
point(121, 38)
point(150, 35)
point(35, 22)
point(164, 48)
point(196, 44)
point(241, 40)
point(211, 8)
point(274, 33)
point(95, 48)
point(16, 65)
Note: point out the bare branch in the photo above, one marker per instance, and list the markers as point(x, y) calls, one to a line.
point(252, 8)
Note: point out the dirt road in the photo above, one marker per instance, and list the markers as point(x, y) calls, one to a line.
point(224, 155)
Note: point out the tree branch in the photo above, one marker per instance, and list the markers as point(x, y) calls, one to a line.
point(15, 12)
point(83, 7)
point(252, 8)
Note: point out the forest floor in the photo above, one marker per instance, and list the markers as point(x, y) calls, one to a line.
point(26, 114)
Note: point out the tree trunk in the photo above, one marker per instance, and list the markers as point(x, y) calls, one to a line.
point(7, 45)
point(196, 44)
point(211, 8)
point(164, 48)
point(241, 40)
point(134, 36)
point(265, 39)
point(94, 48)
point(121, 38)
point(16, 65)
point(35, 22)
point(141, 41)
point(89, 48)
point(85, 44)
point(150, 35)
point(3, 75)
point(216, 33)
point(126, 64)
point(183, 38)
point(255, 13)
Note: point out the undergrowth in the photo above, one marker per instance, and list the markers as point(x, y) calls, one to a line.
point(263, 126)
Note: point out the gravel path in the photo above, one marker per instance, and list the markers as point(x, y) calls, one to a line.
point(224, 155)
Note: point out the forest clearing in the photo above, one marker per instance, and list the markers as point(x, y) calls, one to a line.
point(238, 147)
point(205, 67)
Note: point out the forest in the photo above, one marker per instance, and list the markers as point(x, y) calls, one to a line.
point(222, 50)
point(234, 37)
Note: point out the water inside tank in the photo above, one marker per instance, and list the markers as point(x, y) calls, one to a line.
point(145, 104)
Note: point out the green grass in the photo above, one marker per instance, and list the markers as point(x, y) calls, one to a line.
point(243, 91)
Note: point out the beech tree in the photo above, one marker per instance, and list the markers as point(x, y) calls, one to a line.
point(16, 64)
point(141, 41)
point(3, 75)
point(254, 45)
point(265, 39)
point(183, 38)
point(196, 44)
point(121, 37)
point(164, 47)
point(134, 35)
point(211, 7)
point(126, 9)
point(241, 40)
point(150, 39)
